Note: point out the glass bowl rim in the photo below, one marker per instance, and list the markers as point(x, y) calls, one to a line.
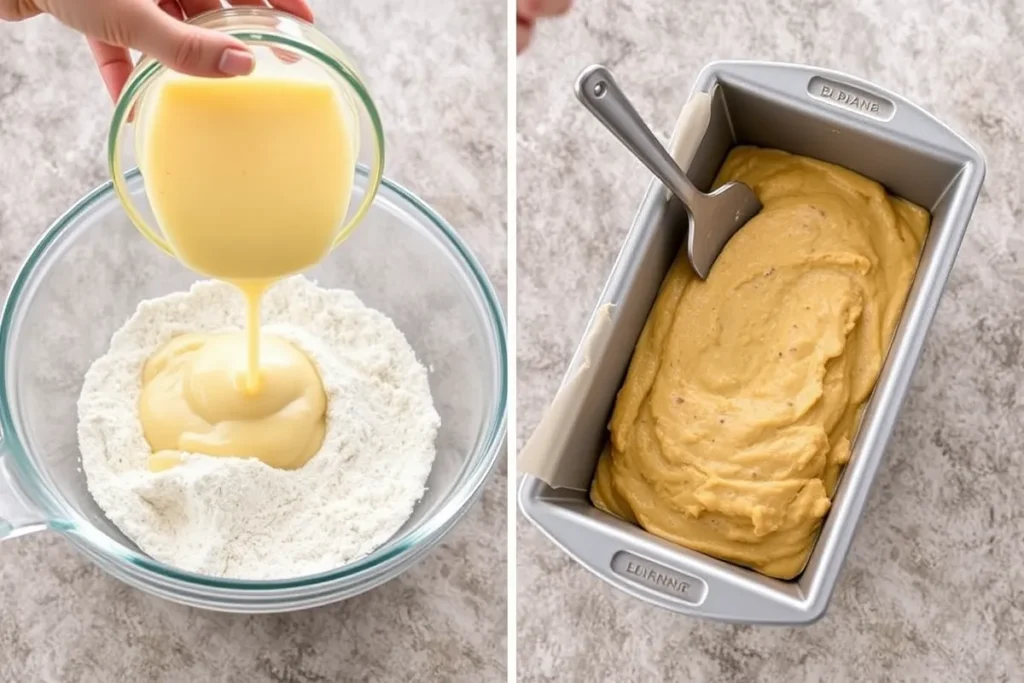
point(426, 534)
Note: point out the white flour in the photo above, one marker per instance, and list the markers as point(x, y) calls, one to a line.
point(241, 518)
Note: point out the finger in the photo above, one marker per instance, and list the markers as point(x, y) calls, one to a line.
point(115, 65)
point(183, 47)
point(18, 10)
point(535, 9)
point(196, 7)
point(172, 8)
point(299, 8)
point(523, 31)
point(286, 56)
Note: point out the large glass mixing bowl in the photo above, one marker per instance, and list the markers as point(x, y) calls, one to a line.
point(84, 279)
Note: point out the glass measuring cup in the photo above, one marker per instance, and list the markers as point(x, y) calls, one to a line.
point(284, 44)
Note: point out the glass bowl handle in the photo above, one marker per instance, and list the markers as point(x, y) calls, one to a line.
point(17, 515)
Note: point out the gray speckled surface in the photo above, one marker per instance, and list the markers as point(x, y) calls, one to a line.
point(64, 620)
point(933, 589)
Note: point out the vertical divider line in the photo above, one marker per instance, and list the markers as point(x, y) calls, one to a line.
point(511, 438)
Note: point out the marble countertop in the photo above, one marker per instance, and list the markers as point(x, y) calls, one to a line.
point(64, 620)
point(933, 589)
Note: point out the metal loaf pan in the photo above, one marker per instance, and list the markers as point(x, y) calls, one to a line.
point(807, 111)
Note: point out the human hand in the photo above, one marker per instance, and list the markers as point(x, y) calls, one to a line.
point(153, 27)
point(529, 11)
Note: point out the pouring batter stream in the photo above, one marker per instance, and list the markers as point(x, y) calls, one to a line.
point(249, 180)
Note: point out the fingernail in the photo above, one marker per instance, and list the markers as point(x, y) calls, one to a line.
point(235, 62)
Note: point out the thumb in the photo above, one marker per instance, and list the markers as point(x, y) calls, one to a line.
point(189, 49)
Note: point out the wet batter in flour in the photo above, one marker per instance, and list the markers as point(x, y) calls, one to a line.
point(241, 517)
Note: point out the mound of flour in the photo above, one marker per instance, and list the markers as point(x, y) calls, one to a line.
point(240, 518)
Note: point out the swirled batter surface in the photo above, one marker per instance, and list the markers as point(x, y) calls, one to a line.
point(737, 413)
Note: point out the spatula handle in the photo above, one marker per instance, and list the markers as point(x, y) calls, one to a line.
point(597, 90)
